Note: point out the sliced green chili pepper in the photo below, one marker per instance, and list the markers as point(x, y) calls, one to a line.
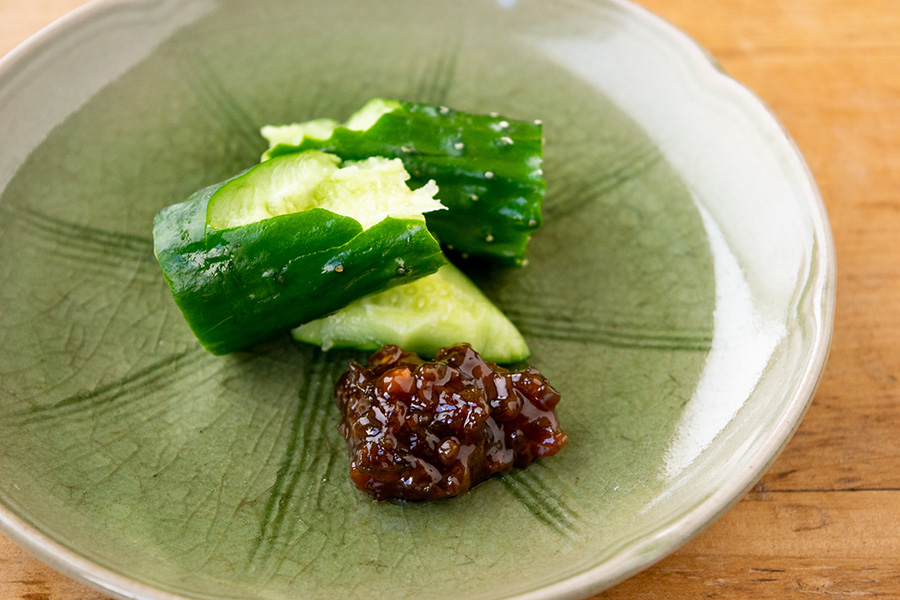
point(422, 317)
point(487, 168)
point(267, 251)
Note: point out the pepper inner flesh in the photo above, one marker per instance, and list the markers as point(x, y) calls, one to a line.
point(367, 191)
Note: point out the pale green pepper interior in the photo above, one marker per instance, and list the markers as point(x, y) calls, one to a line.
point(321, 129)
point(367, 191)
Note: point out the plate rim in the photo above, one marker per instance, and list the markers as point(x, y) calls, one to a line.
point(633, 557)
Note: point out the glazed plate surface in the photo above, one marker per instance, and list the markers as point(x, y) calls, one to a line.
point(679, 295)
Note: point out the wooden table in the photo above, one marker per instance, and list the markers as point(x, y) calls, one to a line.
point(825, 520)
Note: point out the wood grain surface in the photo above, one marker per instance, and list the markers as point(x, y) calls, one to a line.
point(825, 520)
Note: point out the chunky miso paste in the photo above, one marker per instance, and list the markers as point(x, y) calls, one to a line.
point(421, 430)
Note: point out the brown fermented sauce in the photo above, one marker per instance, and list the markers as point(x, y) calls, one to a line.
point(422, 430)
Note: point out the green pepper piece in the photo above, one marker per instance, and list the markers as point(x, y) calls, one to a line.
point(422, 317)
point(487, 167)
point(239, 285)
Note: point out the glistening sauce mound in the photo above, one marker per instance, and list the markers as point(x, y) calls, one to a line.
point(421, 430)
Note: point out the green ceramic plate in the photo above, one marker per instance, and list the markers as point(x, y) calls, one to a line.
point(680, 296)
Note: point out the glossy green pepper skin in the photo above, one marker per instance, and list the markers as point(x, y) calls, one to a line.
point(241, 285)
point(487, 168)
